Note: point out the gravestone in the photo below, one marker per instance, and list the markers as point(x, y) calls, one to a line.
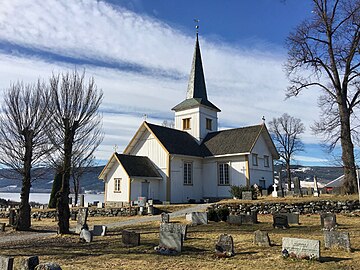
point(82, 200)
point(142, 201)
point(6, 263)
point(2, 227)
point(297, 187)
point(173, 227)
point(316, 188)
point(99, 230)
point(165, 218)
point(28, 263)
point(280, 221)
point(274, 193)
point(234, 219)
point(246, 195)
point(334, 239)
point(171, 240)
point(264, 192)
point(86, 235)
point(197, 218)
point(225, 245)
point(261, 238)
point(100, 205)
point(12, 217)
point(81, 219)
point(130, 238)
point(293, 218)
point(301, 248)
point(328, 221)
point(48, 266)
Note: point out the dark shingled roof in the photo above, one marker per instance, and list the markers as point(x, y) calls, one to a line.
point(176, 141)
point(138, 166)
point(196, 92)
point(231, 141)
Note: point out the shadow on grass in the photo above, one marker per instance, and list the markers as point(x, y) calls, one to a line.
point(333, 259)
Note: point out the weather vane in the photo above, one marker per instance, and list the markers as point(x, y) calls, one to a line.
point(197, 25)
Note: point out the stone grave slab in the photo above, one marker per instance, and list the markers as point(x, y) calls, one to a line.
point(82, 200)
point(335, 239)
point(12, 217)
point(280, 221)
point(261, 238)
point(197, 218)
point(234, 219)
point(6, 263)
point(301, 248)
point(249, 218)
point(81, 219)
point(130, 238)
point(328, 221)
point(99, 230)
point(2, 227)
point(225, 245)
point(246, 195)
point(86, 235)
point(171, 240)
point(29, 263)
point(165, 217)
point(173, 227)
point(293, 218)
point(297, 187)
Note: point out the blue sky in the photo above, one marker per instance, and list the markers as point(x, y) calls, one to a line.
point(140, 53)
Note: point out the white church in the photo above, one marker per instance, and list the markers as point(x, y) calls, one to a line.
point(192, 161)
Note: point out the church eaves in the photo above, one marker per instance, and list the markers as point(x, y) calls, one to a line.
point(196, 92)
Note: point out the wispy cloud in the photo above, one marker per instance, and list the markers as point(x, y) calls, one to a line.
point(142, 64)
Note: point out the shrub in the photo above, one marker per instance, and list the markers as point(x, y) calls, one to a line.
point(223, 213)
point(213, 216)
point(236, 191)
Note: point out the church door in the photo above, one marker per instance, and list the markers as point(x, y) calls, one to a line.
point(145, 189)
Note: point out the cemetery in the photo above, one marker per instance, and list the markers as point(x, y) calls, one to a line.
point(299, 233)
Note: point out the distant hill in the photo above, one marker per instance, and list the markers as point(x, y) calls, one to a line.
point(323, 174)
point(10, 181)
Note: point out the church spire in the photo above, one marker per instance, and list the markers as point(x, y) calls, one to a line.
point(196, 86)
point(196, 92)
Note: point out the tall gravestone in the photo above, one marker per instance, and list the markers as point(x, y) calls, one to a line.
point(81, 219)
point(82, 200)
point(12, 217)
point(316, 188)
point(297, 187)
point(225, 245)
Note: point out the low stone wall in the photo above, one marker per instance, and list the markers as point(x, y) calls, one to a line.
point(303, 207)
point(93, 212)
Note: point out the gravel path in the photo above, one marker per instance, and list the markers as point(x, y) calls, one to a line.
point(27, 236)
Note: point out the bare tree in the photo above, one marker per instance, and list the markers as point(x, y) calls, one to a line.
point(286, 132)
point(324, 54)
point(76, 125)
point(23, 141)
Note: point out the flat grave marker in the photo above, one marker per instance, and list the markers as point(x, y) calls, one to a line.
point(301, 248)
point(335, 239)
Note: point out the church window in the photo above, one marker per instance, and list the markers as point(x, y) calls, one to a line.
point(266, 161)
point(117, 182)
point(255, 159)
point(187, 173)
point(208, 124)
point(186, 123)
point(223, 174)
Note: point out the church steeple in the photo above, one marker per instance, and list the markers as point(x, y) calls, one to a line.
point(196, 114)
point(196, 92)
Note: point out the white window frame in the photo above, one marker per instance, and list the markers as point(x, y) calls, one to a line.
point(255, 160)
point(188, 173)
point(223, 174)
point(117, 185)
point(266, 161)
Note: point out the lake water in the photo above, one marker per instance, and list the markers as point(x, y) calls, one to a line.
point(43, 198)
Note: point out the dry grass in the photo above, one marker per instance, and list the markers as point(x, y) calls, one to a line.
point(109, 253)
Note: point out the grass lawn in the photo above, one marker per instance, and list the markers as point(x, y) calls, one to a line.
point(198, 253)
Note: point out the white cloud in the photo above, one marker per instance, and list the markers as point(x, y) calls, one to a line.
point(245, 83)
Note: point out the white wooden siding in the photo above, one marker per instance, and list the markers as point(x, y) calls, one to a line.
point(117, 171)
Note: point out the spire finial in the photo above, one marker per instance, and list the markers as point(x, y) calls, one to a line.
point(263, 119)
point(197, 25)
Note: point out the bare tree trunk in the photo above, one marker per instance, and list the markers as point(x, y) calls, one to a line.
point(24, 217)
point(288, 174)
point(349, 185)
point(63, 197)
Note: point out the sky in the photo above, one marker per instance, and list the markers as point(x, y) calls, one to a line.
point(140, 51)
